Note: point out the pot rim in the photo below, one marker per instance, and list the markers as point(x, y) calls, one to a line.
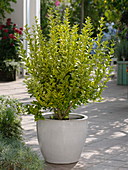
point(73, 117)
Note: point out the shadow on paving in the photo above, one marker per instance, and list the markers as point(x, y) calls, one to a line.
point(107, 141)
point(106, 145)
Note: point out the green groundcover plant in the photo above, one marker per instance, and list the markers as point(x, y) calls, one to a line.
point(65, 70)
point(14, 155)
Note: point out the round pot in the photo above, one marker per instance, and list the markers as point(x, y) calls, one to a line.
point(62, 141)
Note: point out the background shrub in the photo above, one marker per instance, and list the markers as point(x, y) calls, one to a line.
point(14, 154)
point(10, 117)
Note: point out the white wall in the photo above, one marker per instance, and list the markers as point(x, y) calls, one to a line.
point(25, 12)
point(17, 15)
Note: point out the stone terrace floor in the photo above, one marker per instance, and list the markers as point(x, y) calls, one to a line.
point(106, 146)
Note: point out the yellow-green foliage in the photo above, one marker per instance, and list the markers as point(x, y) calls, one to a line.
point(64, 70)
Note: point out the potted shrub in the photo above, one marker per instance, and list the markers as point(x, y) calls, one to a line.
point(9, 58)
point(64, 73)
point(121, 52)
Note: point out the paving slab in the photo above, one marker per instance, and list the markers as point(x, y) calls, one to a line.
point(106, 145)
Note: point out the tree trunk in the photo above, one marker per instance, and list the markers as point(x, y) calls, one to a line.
point(82, 13)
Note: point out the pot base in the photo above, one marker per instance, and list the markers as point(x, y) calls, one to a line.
point(62, 141)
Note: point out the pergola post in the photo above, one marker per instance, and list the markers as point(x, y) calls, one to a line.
point(31, 9)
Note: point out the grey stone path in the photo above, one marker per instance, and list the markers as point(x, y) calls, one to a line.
point(106, 146)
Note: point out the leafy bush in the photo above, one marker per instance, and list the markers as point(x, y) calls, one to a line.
point(14, 155)
point(63, 71)
point(45, 6)
point(8, 42)
point(5, 7)
point(10, 117)
point(9, 45)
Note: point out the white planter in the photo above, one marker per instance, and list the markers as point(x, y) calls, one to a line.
point(62, 141)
